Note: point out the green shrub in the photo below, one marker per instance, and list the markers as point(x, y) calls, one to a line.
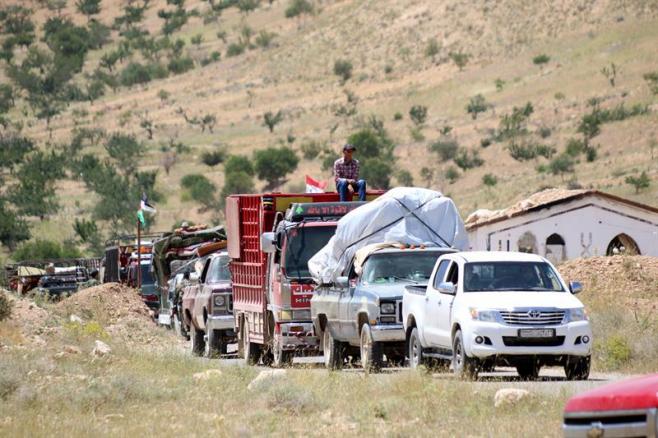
point(343, 69)
point(42, 249)
point(561, 164)
point(639, 182)
point(397, 116)
point(433, 48)
point(485, 142)
point(239, 163)
point(298, 7)
point(460, 59)
point(544, 132)
point(418, 114)
point(466, 159)
point(377, 172)
point(273, 164)
point(489, 180)
point(311, 149)
point(452, 174)
point(500, 84)
point(404, 178)
point(134, 73)
point(476, 105)
point(200, 188)
point(5, 306)
point(615, 351)
point(446, 149)
point(575, 147)
point(213, 158)
point(180, 65)
point(265, 38)
point(541, 59)
point(235, 49)
point(652, 81)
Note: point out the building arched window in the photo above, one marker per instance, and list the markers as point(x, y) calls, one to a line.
point(555, 248)
point(622, 244)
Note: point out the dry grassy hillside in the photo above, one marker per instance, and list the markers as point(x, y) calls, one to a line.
point(387, 42)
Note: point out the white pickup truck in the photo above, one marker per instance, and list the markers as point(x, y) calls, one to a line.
point(483, 309)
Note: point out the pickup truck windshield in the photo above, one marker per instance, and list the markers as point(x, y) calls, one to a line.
point(302, 244)
point(510, 277)
point(399, 267)
point(219, 271)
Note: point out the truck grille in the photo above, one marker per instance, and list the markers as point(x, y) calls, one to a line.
point(612, 423)
point(533, 317)
point(513, 341)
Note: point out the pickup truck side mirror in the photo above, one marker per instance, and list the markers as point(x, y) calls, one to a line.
point(267, 243)
point(342, 281)
point(447, 288)
point(575, 287)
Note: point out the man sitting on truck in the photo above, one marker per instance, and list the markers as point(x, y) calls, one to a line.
point(346, 174)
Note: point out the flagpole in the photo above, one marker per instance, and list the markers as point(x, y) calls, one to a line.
point(139, 254)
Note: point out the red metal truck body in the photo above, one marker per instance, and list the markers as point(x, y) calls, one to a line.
point(271, 301)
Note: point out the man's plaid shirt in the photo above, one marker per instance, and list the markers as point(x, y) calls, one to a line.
point(345, 170)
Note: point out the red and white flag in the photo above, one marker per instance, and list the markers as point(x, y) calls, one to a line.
point(314, 186)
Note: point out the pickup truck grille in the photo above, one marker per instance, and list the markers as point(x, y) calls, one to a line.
point(533, 317)
point(513, 341)
point(611, 423)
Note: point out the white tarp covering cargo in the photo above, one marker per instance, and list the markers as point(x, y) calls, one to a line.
point(411, 216)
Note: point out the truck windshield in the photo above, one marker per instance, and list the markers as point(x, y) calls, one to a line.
point(219, 270)
point(147, 275)
point(510, 277)
point(302, 244)
point(395, 267)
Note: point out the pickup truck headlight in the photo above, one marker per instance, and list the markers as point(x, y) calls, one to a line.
point(387, 308)
point(577, 314)
point(219, 300)
point(484, 315)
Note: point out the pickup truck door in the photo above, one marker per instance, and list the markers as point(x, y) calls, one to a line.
point(346, 309)
point(438, 307)
point(197, 313)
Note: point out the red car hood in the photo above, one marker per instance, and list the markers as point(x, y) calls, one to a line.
point(635, 393)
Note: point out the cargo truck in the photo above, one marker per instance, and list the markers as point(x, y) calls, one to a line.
point(270, 240)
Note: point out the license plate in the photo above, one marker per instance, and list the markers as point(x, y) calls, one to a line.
point(536, 333)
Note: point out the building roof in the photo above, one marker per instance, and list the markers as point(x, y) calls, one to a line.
point(540, 200)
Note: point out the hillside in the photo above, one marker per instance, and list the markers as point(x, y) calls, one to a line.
point(402, 54)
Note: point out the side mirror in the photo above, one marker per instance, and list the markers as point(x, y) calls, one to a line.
point(342, 282)
point(575, 287)
point(267, 242)
point(447, 288)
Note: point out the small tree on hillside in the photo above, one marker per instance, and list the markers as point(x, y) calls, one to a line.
point(541, 60)
point(246, 6)
point(639, 182)
point(125, 150)
point(561, 165)
point(343, 69)
point(271, 120)
point(476, 105)
point(297, 8)
point(89, 8)
point(460, 59)
point(273, 164)
point(418, 114)
point(427, 175)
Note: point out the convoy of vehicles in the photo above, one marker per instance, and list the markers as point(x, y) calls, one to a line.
point(482, 309)
point(628, 408)
point(270, 240)
point(360, 314)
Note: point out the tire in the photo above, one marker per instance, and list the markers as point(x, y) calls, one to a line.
point(528, 370)
point(280, 357)
point(197, 343)
point(214, 345)
point(464, 367)
point(577, 367)
point(333, 351)
point(371, 351)
point(251, 351)
point(415, 350)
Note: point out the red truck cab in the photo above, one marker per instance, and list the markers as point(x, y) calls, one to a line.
point(628, 408)
point(271, 237)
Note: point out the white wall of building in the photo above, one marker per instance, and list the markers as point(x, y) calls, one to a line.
point(586, 225)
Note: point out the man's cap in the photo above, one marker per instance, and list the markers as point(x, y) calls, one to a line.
point(349, 147)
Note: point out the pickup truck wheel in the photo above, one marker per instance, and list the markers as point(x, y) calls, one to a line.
point(213, 345)
point(415, 350)
point(371, 351)
point(333, 351)
point(577, 367)
point(197, 343)
point(281, 358)
point(251, 351)
point(528, 370)
point(465, 367)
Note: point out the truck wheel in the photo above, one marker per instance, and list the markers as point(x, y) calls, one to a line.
point(371, 351)
point(251, 350)
point(197, 343)
point(464, 367)
point(577, 367)
point(280, 357)
point(333, 351)
point(415, 350)
point(214, 345)
point(179, 328)
point(528, 369)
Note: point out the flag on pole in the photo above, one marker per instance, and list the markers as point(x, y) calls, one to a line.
point(144, 206)
point(314, 186)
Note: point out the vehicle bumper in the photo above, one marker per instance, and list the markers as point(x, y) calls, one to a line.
point(572, 345)
point(221, 322)
point(388, 333)
point(298, 336)
point(624, 424)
